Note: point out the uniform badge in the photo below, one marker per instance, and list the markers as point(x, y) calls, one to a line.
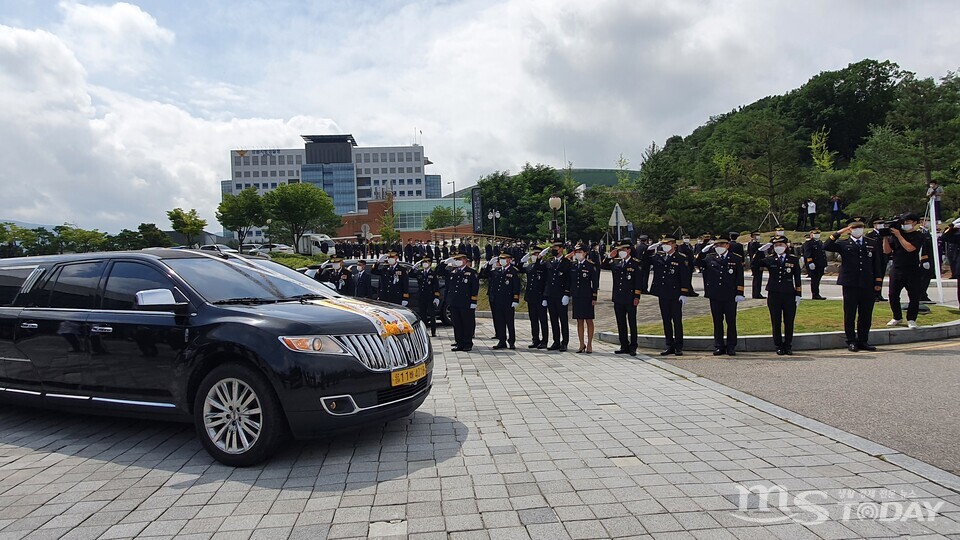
point(730, 271)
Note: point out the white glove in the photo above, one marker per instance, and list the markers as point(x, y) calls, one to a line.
point(798, 301)
point(491, 261)
point(436, 302)
point(382, 258)
point(525, 258)
point(926, 266)
point(404, 303)
point(653, 246)
point(707, 248)
point(544, 303)
point(448, 261)
point(766, 247)
point(812, 266)
point(544, 252)
point(956, 222)
point(739, 298)
point(515, 305)
point(473, 306)
point(565, 300)
point(683, 300)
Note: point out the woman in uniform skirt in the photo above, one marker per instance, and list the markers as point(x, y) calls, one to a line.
point(584, 282)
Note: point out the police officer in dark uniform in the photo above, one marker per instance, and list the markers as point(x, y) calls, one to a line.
point(393, 280)
point(428, 293)
point(584, 283)
point(671, 285)
point(859, 279)
point(557, 296)
point(783, 291)
point(463, 285)
point(625, 295)
point(363, 288)
point(756, 269)
point(504, 292)
point(736, 247)
point(343, 277)
point(815, 261)
point(536, 271)
point(690, 251)
point(643, 242)
point(723, 286)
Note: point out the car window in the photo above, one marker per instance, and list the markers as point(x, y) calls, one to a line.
point(127, 279)
point(76, 286)
point(219, 280)
point(11, 279)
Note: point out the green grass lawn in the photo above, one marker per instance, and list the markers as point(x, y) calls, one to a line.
point(297, 261)
point(812, 316)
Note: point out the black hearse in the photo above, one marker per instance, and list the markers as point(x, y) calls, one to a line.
point(248, 350)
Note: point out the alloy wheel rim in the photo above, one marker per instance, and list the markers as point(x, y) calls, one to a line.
point(232, 416)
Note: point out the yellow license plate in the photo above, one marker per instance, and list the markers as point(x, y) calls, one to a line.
point(407, 376)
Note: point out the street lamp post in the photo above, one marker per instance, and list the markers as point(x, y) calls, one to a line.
point(555, 204)
point(455, 220)
point(494, 215)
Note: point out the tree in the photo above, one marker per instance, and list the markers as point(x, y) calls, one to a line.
point(153, 236)
point(443, 216)
point(769, 156)
point(72, 238)
point(928, 115)
point(296, 209)
point(241, 212)
point(823, 157)
point(189, 224)
point(388, 224)
point(44, 243)
point(126, 240)
point(523, 201)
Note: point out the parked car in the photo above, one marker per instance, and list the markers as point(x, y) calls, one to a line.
point(272, 248)
point(249, 248)
point(248, 350)
point(413, 287)
point(222, 248)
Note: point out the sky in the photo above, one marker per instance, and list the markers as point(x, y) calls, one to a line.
point(114, 113)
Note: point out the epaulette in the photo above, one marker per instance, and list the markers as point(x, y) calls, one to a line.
point(737, 255)
point(681, 254)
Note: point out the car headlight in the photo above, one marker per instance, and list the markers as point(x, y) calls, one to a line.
point(312, 344)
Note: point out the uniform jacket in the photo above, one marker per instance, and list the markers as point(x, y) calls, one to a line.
point(626, 279)
point(363, 285)
point(463, 285)
point(503, 284)
point(859, 264)
point(671, 274)
point(722, 276)
point(584, 280)
point(536, 281)
point(342, 280)
point(951, 248)
point(393, 283)
point(785, 274)
point(754, 253)
point(813, 252)
point(428, 285)
point(558, 278)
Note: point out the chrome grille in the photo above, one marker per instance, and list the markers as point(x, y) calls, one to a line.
point(389, 353)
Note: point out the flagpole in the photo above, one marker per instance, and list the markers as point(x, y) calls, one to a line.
point(934, 230)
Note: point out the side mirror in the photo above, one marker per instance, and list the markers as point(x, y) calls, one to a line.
point(161, 300)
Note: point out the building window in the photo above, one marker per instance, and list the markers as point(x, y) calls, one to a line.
point(246, 186)
point(256, 174)
point(246, 161)
point(376, 170)
point(393, 170)
point(417, 181)
point(236, 161)
point(409, 170)
point(256, 161)
point(366, 171)
point(416, 156)
point(359, 158)
point(273, 185)
point(259, 233)
point(376, 182)
point(383, 156)
point(299, 159)
point(256, 185)
point(239, 186)
point(419, 193)
point(290, 173)
point(246, 174)
point(416, 169)
point(366, 158)
point(393, 156)
point(409, 156)
point(410, 193)
point(238, 174)
point(376, 157)
point(401, 182)
point(283, 160)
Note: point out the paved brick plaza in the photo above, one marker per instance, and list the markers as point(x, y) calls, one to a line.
point(509, 445)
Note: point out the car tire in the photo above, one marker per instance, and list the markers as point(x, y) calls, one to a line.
point(446, 317)
point(238, 416)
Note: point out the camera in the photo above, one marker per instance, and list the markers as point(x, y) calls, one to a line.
point(885, 228)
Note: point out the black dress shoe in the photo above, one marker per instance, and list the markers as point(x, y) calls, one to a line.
point(881, 299)
point(761, 297)
point(678, 352)
point(819, 297)
point(718, 352)
point(512, 347)
point(620, 351)
point(731, 352)
point(867, 347)
point(534, 346)
point(781, 352)
point(455, 348)
point(499, 346)
point(563, 348)
point(633, 351)
point(466, 349)
point(853, 347)
point(788, 352)
point(542, 345)
point(669, 351)
point(554, 347)
point(433, 333)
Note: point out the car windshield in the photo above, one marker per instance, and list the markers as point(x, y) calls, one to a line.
point(240, 280)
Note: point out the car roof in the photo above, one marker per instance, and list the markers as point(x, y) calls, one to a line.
point(147, 254)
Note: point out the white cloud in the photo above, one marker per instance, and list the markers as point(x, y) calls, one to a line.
point(116, 39)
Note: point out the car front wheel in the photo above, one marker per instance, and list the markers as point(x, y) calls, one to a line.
point(237, 416)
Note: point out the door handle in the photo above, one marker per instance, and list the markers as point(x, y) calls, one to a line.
point(29, 325)
point(101, 330)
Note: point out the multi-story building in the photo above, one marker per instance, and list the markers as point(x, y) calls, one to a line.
point(397, 169)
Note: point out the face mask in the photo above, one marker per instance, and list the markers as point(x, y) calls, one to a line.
point(361, 268)
point(578, 256)
point(623, 254)
point(721, 250)
point(458, 262)
point(908, 227)
point(392, 261)
point(337, 266)
point(503, 262)
point(816, 237)
point(426, 266)
point(686, 240)
point(756, 238)
point(780, 249)
point(667, 248)
point(556, 252)
point(856, 233)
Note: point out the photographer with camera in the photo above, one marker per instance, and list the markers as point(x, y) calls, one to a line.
point(902, 245)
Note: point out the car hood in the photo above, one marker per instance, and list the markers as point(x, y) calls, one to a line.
point(336, 316)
